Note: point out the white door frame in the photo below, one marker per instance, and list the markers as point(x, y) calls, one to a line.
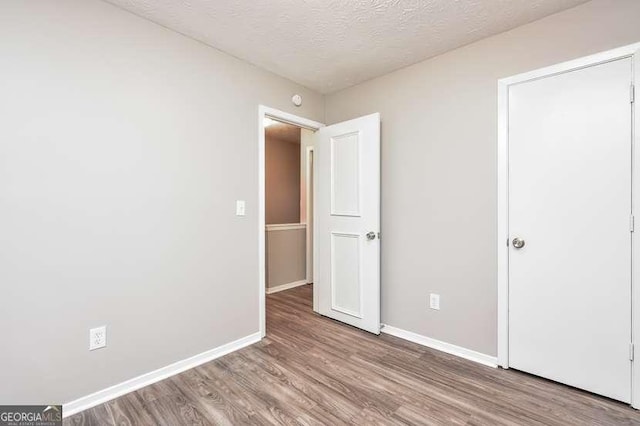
point(264, 112)
point(633, 51)
point(308, 158)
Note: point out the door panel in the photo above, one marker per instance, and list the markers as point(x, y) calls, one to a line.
point(345, 175)
point(347, 208)
point(570, 201)
point(346, 287)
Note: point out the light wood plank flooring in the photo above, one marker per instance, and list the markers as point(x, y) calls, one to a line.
point(314, 371)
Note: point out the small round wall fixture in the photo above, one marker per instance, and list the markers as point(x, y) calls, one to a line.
point(297, 100)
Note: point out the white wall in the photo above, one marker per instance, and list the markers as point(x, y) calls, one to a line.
point(123, 147)
point(439, 165)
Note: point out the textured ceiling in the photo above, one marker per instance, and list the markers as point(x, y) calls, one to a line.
point(328, 45)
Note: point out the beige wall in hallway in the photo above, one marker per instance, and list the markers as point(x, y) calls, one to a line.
point(282, 181)
point(123, 148)
point(439, 165)
point(286, 256)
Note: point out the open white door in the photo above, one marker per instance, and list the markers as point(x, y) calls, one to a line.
point(347, 222)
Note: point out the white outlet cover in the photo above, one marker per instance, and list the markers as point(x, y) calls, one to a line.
point(97, 338)
point(434, 301)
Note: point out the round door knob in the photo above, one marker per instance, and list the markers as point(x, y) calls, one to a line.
point(371, 235)
point(518, 243)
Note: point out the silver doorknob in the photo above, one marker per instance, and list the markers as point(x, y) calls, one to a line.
point(371, 235)
point(518, 243)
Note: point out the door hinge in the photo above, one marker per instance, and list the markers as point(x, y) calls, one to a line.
point(632, 223)
point(631, 351)
point(378, 235)
point(633, 93)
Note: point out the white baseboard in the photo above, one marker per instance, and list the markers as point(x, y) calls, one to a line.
point(287, 286)
point(136, 383)
point(465, 353)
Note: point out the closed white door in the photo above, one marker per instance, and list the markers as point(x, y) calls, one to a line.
point(570, 139)
point(347, 222)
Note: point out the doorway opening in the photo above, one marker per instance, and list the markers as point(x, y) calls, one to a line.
point(286, 204)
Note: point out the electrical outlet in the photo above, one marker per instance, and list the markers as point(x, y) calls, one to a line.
point(434, 301)
point(97, 338)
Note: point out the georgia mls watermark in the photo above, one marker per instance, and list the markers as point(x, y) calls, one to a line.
point(30, 415)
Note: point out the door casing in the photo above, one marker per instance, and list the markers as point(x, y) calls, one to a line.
point(630, 51)
point(308, 158)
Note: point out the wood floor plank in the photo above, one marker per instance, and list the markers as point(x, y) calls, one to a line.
point(129, 410)
point(311, 370)
point(97, 416)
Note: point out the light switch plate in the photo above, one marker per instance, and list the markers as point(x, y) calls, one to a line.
point(240, 208)
point(434, 301)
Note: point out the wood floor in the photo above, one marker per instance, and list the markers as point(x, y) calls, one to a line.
point(314, 371)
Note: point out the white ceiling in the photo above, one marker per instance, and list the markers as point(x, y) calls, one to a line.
point(328, 45)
